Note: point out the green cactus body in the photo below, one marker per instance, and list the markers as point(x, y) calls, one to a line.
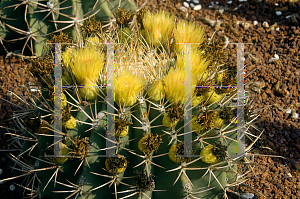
point(145, 162)
point(140, 113)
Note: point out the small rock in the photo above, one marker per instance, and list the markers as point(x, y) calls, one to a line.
point(288, 16)
point(278, 13)
point(265, 24)
point(197, 7)
point(192, 5)
point(246, 25)
point(12, 187)
point(183, 9)
point(229, 2)
point(186, 4)
point(255, 23)
point(196, 1)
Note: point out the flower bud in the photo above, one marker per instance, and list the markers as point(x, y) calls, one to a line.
point(123, 132)
point(65, 151)
point(173, 153)
point(116, 165)
point(63, 100)
point(198, 62)
point(209, 157)
point(89, 93)
point(174, 85)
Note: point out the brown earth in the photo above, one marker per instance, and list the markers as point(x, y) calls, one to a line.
point(276, 177)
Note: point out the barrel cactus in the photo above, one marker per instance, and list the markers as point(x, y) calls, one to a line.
point(28, 24)
point(131, 143)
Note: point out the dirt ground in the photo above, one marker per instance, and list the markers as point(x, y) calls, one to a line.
point(278, 83)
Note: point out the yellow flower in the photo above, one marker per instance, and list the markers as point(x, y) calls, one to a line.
point(174, 85)
point(198, 62)
point(187, 32)
point(86, 67)
point(156, 91)
point(127, 88)
point(158, 27)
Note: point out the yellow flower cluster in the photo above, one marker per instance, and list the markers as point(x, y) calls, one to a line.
point(187, 32)
point(127, 88)
point(158, 27)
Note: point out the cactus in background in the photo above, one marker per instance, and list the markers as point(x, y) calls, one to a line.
point(149, 107)
point(28, 24)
